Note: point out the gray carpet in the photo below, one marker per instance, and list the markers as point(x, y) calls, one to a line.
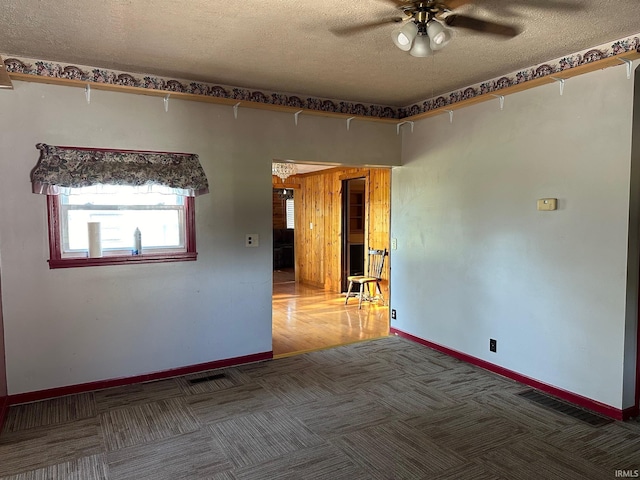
point(384, 409)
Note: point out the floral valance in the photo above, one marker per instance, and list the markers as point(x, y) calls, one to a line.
point(61, 168)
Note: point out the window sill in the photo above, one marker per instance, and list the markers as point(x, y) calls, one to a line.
point(121, 260)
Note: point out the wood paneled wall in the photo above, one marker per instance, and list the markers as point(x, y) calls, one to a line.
point(318, 223)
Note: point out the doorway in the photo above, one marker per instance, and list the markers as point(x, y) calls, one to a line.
point(283, 235)
point(310, 312)
point(354, 223)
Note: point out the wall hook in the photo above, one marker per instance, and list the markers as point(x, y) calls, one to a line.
point(296, 115)
point(450, 115)
point(402, 123)
point(561, 82)
point(349, 122)
point(501, 98)
point(87, 93)
point(629, 65)
point(166, 102)
point(235, 110)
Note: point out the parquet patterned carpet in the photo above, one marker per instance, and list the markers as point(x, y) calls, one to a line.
point(383, 409)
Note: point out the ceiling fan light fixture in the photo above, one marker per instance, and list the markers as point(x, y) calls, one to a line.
point(421, 47)
point(404, 36)
point(438, 35)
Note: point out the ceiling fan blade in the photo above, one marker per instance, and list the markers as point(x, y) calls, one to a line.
point(450, 4)
point(397, 3)
point(571, 5)
point(453, 4)
point(353, 29)
point(472, 23)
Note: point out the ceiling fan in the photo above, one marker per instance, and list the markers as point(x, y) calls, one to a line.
point(424, 25)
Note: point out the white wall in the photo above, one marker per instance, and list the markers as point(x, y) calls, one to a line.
point(70, 326)
point(475, 260)
point(3, 371)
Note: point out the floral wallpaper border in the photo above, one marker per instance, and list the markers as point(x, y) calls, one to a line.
point(44, 68)
point(553, 67)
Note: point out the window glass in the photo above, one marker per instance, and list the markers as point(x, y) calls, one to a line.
point(289, 206)
point(160, 219)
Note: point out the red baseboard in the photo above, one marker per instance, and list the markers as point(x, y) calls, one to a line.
point(571, 397)
point(4, 409)
point(630, 412)
point(118, 382)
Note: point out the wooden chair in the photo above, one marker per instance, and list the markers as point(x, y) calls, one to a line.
point(376, 264)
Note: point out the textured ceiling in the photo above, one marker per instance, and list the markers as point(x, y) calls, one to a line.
point(286, 45)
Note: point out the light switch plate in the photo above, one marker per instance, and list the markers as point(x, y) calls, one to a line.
point(394, 244)
point(252, 240)
point(546, 204)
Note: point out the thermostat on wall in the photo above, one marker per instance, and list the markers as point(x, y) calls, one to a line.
point(547, 203)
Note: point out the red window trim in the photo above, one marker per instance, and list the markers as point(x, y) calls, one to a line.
point(55, 247)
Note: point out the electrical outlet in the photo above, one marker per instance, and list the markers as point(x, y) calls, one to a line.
point(493, 345)
point(393, 313)
point(252, 240)
point(394, 244)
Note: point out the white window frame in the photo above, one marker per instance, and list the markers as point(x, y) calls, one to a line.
point(289, 213)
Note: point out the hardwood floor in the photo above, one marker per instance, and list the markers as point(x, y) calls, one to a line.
point(307, 318)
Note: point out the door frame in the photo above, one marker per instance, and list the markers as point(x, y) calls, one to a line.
point(343, 179)
point(344, 219)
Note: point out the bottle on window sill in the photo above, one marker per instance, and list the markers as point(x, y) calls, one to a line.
point(137, 242)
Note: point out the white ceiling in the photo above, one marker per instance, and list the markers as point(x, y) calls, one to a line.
point(309, 168)
point(286, 45)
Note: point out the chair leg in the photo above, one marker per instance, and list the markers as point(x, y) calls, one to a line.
point(346, 300)
point(380, 291)
point(361, 295)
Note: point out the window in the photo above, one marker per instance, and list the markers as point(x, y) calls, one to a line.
point(160, 217)
point(98, 198)
point(289, 213)
point(166, 223)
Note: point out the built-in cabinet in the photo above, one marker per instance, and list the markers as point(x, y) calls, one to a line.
point(355, 208)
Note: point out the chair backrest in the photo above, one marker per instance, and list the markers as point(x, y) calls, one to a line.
point(376, 262)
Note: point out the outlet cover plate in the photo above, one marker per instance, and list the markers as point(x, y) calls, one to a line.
point(252, 240)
